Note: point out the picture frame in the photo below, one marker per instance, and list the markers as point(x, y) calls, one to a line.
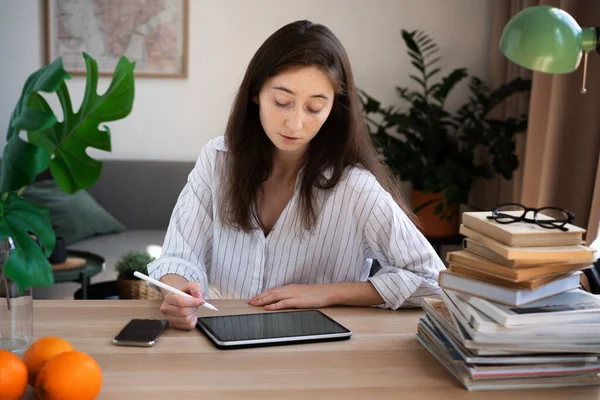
point(153, 35)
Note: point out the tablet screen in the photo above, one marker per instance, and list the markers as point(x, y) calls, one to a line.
point(271, 327)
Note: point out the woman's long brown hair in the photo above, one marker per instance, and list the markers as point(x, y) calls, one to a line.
point(343, 140)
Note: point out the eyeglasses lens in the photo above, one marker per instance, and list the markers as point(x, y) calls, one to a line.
point(509, 212)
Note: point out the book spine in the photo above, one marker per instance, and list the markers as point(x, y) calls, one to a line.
point(491, 244)
point(481, 274)
point(479, 249)
point(527, 253)
point(493, 292)
point(492, 269)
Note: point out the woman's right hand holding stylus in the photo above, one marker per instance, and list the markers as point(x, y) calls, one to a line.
point(181, 311)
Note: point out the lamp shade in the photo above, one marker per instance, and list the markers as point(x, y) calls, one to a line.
point(546, 39)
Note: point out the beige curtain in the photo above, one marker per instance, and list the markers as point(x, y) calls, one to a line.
point(559, 154)
point(488, 193)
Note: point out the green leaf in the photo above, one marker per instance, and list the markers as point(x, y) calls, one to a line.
point(418, 66)
point(132, 261)
point(432, 72)
point(23, 161)
point(448, 83)
point(418, 80)
point(415, 56)
point(28, 264)
point(408, 95)
point(370, 105)
point(410, 41)
point(31, 120)
point(517, 85)
point(71, 167)
point(425, 42)
point(432, 49)
point(37, 137)
point(434, 61)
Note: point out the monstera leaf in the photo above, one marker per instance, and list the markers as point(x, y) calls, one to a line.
point(23, 161)
point(71, 167)
point(60, 145)
point(28, 264)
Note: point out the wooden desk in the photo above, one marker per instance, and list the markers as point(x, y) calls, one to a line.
point(383, 360)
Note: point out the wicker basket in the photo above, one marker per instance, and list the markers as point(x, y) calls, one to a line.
point(135, 289)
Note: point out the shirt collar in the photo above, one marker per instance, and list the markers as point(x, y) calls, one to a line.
point(221, 146)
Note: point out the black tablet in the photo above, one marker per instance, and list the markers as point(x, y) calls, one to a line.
point(274, 328)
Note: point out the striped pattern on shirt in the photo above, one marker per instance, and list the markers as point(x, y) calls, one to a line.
point(358, 222)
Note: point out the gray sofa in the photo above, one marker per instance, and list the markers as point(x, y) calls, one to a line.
point(141, 195)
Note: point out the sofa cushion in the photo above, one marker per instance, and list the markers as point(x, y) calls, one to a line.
point(141, 194)
point(74, 216)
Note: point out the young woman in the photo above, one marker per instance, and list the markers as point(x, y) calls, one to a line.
point(291, 206)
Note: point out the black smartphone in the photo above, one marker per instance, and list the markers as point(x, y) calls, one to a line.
point(140, 332)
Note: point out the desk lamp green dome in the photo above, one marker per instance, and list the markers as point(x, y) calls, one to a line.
point(547, 39)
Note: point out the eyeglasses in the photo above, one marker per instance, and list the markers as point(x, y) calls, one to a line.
point(546, 217)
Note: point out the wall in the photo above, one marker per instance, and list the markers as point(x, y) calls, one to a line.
point(172, 119)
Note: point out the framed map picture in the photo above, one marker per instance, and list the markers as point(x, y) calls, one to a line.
point(153, 33)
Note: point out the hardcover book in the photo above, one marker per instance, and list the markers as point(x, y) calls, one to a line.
point(537, 254)
point(521, 234)
point(514, 297)
point(468, 259)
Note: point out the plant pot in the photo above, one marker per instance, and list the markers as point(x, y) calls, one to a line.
point(441, 225)
point(135, 289)
point(16, 309)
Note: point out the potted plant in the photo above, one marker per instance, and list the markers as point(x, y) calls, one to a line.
point(128, 285)
point(26, 232)
point(435, 148)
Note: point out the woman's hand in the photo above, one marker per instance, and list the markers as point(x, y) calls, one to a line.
point(295, 296)
point(181, 311)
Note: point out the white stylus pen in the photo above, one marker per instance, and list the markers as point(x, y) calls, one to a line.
point(170, 289)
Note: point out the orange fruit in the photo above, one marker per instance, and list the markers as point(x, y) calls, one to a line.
point(13, 376)
point(73, 375)
point(41, 351)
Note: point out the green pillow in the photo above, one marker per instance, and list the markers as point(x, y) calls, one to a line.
point(74, 216)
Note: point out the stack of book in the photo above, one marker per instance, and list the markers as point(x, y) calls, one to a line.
point(516, 263)
point(550, 343)
point(512, 315)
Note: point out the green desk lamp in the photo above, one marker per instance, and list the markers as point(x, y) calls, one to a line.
point(547, 39)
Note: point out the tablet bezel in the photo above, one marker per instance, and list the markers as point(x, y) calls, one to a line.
point(219, 343)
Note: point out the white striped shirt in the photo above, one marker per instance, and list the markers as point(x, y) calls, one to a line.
point(358, 222)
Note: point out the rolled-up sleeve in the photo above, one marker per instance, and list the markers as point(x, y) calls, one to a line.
point(409, 265)
point(187, 247)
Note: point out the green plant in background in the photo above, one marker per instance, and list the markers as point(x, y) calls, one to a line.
point(61, 146)
point(133, 261)
point(435, 148)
